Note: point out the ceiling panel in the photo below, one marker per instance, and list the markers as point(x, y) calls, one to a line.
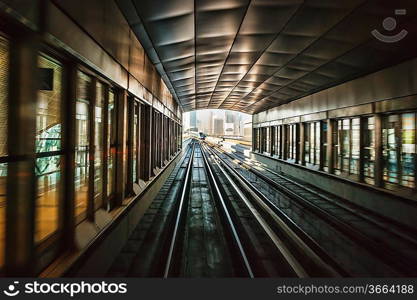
point(250, 55)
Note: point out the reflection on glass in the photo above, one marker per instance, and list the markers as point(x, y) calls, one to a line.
point(110, 141)
point(292, 145)
point(390, 133)
point(273, 138)
point(345, 143)
point(267, 140)
point(278, 139)
point(317, 143)
point(408, 149)
point(355, 146)
point(399, 149)
point(312, 137)
point(48, 139)
point(336, 147)
point(48, 172)
point(325, 162)
point(48, 109)
point(307, 146)
point(312, 143)
point(258, 139)
point(369, 149)
point(98, 146)
point(82, 144)
point(134, 140)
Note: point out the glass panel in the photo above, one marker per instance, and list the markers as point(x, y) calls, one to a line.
point(258, 140)
point(4, 73)
point(134, 137)
point(48, 108)
point(294, 141)
point(369, 149)
point(390, 146)
point(279, 141)
point(408, 149)
point(48, 172)
point(98, 147)
point(354, 163)
point(267, 140)
point(345, 143)
point(110, 140)
point(312, 137)
point(317, 143)
point(307, 143)
point(82, 144)
point(336, 148)
point(324, 138)
point(295, 145)
point(257, 145)
point(48, 139)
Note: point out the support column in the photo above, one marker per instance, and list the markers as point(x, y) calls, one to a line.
point(284, 142)
point(21, 179)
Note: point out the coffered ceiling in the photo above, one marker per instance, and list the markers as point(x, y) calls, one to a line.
point(253, 55)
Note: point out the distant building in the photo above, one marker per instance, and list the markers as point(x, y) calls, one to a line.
point(230, 117)
point(218, 126)
point(205, 118)
point(238, 125)
point(247, 131)
point(193, 121)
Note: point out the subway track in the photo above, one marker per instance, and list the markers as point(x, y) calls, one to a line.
point(363, 244)
point(222, 215)
point(208, 222)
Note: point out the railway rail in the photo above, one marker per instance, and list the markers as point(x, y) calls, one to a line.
point(221, 215)
point(210, 222)
point(388, 243)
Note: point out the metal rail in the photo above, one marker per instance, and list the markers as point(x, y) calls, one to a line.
point(365, 218)
point(290, 235)
point(386, 254)
point(184, 193)
point(235, 235)
point(381, 225)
